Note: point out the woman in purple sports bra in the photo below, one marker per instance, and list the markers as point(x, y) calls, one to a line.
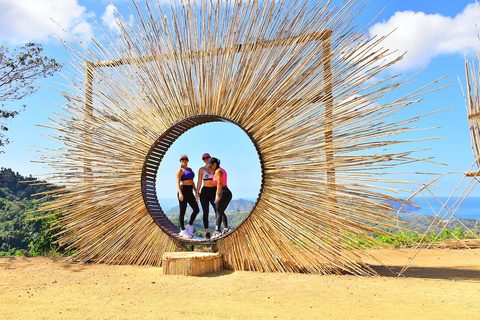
point(207, 192)
point(186, 188)
point(223, 195)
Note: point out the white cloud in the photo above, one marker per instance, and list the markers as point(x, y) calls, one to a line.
point(31, 20)
point(108, 18)
point(425, 36)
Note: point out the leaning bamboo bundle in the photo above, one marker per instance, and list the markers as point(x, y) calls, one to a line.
point(298, 77)
point(459, 244)
point(450, 207)
point(473, 109)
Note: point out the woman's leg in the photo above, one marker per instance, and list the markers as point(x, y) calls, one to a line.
point(204, 201)
point(225, 197)
point(183, 208)
point(194, 205)
point(212, 199)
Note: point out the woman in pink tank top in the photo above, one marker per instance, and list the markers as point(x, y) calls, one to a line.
point(222, 197)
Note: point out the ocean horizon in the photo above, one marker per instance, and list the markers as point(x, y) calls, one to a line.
point(468, 209)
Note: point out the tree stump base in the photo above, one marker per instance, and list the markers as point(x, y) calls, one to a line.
point(191, 263)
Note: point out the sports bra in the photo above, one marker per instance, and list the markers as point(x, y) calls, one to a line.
point(187, 175)
point(224, 178)
point(206, 175)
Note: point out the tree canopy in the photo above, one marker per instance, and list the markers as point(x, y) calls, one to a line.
point(18, 201)
point(19, 70)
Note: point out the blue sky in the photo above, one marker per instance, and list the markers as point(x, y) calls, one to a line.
point(435, 34)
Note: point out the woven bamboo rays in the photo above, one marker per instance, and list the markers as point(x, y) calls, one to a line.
point(295, 76)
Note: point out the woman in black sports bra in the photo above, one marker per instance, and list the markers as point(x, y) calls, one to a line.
point(186, 186)
point(207, 193)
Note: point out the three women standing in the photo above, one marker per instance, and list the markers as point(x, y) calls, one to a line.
point(214, 191)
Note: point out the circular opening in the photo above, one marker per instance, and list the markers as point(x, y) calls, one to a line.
point(223, 139)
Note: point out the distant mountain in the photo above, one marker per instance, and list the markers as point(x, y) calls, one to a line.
point(234, 206)
point(240, 205)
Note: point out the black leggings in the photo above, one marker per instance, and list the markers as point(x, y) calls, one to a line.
point(225, 197)
point(207, 197)
point(188, 198)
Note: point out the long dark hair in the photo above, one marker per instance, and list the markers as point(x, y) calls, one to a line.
point(214, 160)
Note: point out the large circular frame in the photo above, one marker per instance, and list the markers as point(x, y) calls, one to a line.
point(153, 161)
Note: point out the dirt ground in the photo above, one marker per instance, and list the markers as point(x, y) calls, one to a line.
point(441, 284)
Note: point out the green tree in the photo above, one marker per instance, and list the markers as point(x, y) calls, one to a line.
point(19, 70)
point(19, 230)
point(42, 242)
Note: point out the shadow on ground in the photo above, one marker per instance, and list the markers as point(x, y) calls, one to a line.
point(430, 273)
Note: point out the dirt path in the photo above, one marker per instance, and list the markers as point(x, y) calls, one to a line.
point(441, 284)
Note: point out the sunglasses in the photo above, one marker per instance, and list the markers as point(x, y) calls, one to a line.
point(206, 158)
point(184, 159)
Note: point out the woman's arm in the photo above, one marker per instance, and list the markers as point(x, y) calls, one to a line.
point(179, 177)
point(195, 190)
point(218, 177)
point(199, 181)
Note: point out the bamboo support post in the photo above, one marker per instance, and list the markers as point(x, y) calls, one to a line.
point(329, 139)
point(88, 117)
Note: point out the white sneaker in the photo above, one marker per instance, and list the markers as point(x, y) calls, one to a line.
point(189, 230)
point(184, 234)
point(216, 234)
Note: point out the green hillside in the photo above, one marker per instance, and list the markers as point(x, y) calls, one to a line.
point(17, 202)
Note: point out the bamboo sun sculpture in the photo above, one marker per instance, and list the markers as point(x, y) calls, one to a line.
point(297, 77)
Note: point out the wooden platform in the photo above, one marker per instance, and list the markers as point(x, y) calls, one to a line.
point(191, 263)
